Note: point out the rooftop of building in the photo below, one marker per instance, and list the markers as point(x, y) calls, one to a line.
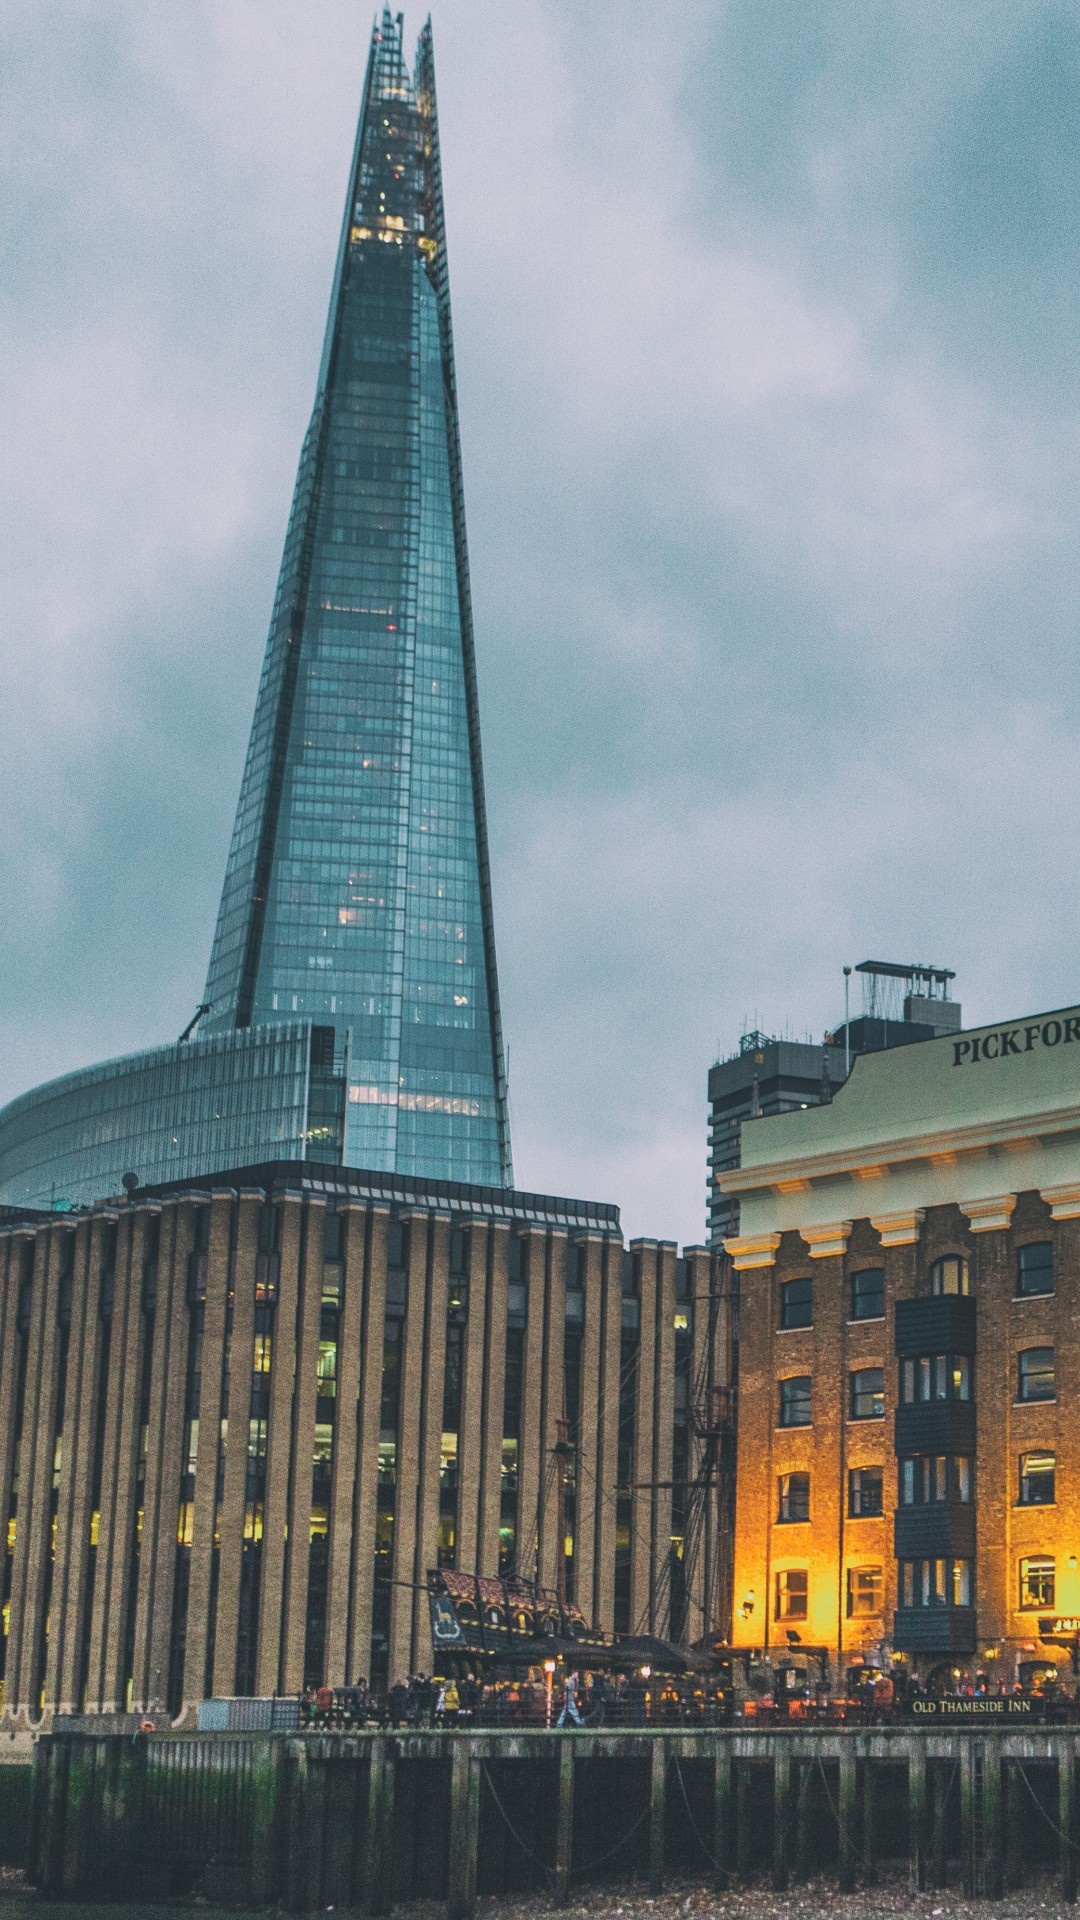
point(966, 1118)
point(343, 1184)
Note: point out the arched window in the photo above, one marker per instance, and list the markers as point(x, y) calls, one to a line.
point(950, 1274)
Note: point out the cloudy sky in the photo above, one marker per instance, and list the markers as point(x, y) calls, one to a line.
point(767, 323)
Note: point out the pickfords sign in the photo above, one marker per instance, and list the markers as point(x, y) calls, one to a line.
point(1006, 1040)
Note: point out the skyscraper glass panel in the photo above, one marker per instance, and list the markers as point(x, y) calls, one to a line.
point(357, 894)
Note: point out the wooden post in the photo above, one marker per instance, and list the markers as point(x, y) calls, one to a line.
point(941, 1778)
point(967, 1815)
point(378, 1883)
point(264, 1821)
point(564, 1832)
point(52, 1848)
point(1014, 1824)
point(916, 1763)
point(781, 1798)
point(802, 1819)
point(296, 1869)
point(869, 1783)
point(657, 1807)
point(722, 1818)
point(1067, 1815)
point(846, 1805)
point(991, 1819)
point(743, 1782)
point(464, 1831)
point(78, 1817)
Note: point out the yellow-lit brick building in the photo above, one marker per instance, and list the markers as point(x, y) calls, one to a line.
point(909, 1373)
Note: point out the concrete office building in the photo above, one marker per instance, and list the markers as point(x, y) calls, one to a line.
point(900, 1004)
point(909, 1269)
point(241, 1422)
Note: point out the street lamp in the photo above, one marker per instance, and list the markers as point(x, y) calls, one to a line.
point(549, 1681)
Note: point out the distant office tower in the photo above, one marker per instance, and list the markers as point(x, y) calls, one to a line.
point(352, 1009)
point(901, 1004)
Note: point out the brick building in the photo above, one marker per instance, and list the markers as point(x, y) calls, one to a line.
point(909, 1459)
point(239, 1423)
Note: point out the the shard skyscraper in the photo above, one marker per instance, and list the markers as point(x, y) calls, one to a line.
point(357, 892)
point(352, 1007)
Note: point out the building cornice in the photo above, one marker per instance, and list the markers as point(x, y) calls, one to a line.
point(875, 1159)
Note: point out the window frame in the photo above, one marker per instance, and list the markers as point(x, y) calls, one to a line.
point(1045, 1561)
point(938, 1268)
point(783, 1497)
point(866, 1513)
point(1023, 1378)
point(788, 1380)
point(865, 1613)
point(860, 1273)
point(877, 1394)
point(786, 1295)
point(1034, 1293)
point(1037, 1453)
point(785, 1592)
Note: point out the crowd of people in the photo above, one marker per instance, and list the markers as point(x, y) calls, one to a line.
point(535, 1698)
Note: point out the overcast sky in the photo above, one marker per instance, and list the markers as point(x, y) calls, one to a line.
point(767, 325)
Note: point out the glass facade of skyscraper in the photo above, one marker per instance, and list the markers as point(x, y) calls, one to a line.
point(357, 893)
point(356, 910)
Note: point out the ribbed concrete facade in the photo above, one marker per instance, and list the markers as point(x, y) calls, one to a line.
point(239, 1424)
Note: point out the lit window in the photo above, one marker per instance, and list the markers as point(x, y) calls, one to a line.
point(792, 1594)
point(868, 1294)
point(867, 1401)
point(795, 1401)
point(1036, 1583)
point(1035, 1268)
point(864, 1592)
point(1035, 1374)
point(936, 1376)
point(794, 1497)
point(950, 1275)
point(864, 1493)
point(1037, 1479)
point(935, 1583)
point(797, 1303)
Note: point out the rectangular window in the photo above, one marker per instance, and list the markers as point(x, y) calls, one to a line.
point(864, 1592)
point(793, 1501)
point(1037, 1479)
point(867, 1393)
point(1036, 1583)
point(935, 1583)
point(1035, 1268)
point(1035, 1374)
point(868, 1294)
point(792, 1594)
point(797, 1303)
point(962, 1479)
point(864, 1493)
point(795, 1401)
point(935, 1376)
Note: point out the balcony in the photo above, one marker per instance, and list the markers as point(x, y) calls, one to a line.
point(934, 1630)
point(938, 1323)
point(936, 1426)
point(939, 1530)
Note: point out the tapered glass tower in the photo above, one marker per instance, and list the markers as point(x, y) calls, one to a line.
point(356, 895)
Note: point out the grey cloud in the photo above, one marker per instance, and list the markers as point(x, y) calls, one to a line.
point(769, 484)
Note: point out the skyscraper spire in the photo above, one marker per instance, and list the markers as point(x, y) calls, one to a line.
point(357, 892)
